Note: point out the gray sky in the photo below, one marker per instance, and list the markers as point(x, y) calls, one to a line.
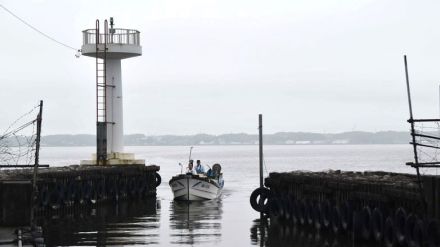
point(212, 66)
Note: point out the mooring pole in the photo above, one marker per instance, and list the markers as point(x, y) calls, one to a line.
point(260, 142)
point(413, 132)
point(37, 157)
point(37, 145)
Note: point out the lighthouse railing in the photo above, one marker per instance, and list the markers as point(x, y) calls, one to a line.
point(115, 36)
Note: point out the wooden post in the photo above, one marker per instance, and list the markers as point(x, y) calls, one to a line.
point(413, 132)
point(37, 157)
point(37, 145)
point(260, 142)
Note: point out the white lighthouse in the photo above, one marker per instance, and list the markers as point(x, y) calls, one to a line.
point(109, 46)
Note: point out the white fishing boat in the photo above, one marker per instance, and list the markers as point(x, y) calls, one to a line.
point(196, 187)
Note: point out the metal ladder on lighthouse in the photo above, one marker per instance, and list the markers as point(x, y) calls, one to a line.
point(101, 94)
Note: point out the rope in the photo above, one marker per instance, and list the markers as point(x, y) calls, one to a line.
point(265, 167)
point(37, 30)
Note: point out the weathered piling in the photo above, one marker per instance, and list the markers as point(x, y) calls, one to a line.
point(369, 206)
point(72, 186)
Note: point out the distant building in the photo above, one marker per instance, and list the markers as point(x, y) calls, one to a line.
point(319, 142)
point(341, 141)
point(302, 142)
point(206, 143)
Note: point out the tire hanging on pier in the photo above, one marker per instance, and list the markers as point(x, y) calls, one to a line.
point(326, 211)
point(259, 200)
point(317, 215)
point(274, 207)
point(80, 192)
point(301, 212)
point(44, 196)
point(365, 221)
point(94, 196)
point(336, 223)
point(409, 228)
point(100, 190)
point(158, 179)
point(283, 208)
point(57, 195)
point(399, 225)
point(293, 211)
point(141, 185)
point(388, 233)
point(377, 223)
point(309, 213)
point(132, 187)
point(289, 208)
point(346, 216)
point(112, 189)
point(418, 234)
point(87, 191)
point(122, 187)
point(72, 191)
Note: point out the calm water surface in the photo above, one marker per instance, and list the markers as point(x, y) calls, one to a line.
point(228, 221)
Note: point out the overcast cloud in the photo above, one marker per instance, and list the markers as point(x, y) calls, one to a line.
point(212, 66)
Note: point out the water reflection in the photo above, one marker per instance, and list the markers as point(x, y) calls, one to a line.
point(195, 223)
point(124, 223)
point(264, 233)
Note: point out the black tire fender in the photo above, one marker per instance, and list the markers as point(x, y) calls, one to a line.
point(317, 215)
point(132, 186)
point(262, 204)
point(346, 216)
point(409, 228)
point(158, 179)
point(399, 225)
point(365, 220)
point(388, 233)
point(326, 214)
point(418, 234)
point(44, 196)
point(377, 223)
point(336, 224)
point(301, 212)
point(309, 213)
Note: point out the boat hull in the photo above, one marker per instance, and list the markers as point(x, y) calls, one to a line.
point(194, 188)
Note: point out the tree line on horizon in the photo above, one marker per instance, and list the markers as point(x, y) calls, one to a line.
point(281, 138)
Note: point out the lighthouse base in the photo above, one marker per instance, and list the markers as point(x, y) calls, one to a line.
point(115, 159)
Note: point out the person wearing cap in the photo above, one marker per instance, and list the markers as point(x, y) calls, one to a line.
point(199, 168)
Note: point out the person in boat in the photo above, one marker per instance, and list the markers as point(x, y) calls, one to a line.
point(199, 168)
point(215, 171)
point(190, 167)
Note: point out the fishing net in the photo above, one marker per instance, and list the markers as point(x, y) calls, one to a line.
point(427, 138)
point(18, 141)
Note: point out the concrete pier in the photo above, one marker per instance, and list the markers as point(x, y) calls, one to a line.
point(381, 207)
point(72, 186)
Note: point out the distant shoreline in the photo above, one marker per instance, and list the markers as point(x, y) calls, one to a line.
point(281, 138)
point(212, 145)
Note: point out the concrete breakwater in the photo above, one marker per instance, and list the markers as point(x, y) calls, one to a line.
point(62, 188)
point(381, 207)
